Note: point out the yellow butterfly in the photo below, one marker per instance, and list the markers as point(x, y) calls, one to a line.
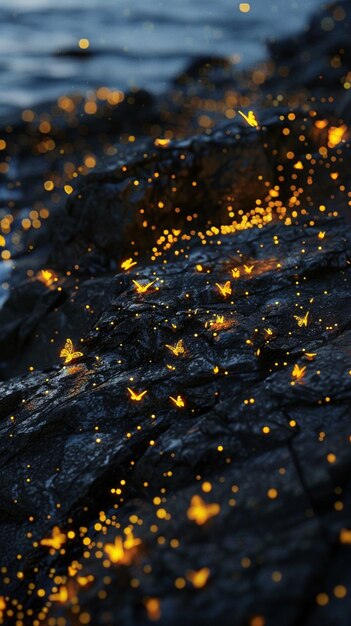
point(136, 396)
point(177, 349)
point(225, 289)
point(298, 372)
point(236, 272)
point(321, 234)
point(178, 401)
point(268, 331)
point(302, 321)
point(56, 540)
point(127, 264)
point(248, 268)
point(68, 352)
point(142, 288)
point(310, 355)
point(250, 118)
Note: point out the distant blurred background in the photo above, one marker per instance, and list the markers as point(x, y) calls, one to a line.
point(54, 47)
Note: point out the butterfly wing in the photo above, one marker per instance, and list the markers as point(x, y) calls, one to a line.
point(67, 351)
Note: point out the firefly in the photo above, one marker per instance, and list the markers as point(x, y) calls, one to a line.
point(298, 372)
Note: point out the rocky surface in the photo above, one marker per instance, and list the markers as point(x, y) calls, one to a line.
point(190, 463)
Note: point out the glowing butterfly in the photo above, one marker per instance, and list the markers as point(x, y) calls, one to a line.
point(250, 118)
point(56, 540)
point(47, 277)
point(162, 143)
point(216, 369)
point(122, 551)
point(302, 321)
point(2, 605)
point(61, 596)
point(310, 355)
point(170, 367)
point(178, 401)
point(220, 319)
point(321, 234)
point(225, 289)
point(248, 268)
point(127, 264)
point(136, 396)
point(236, 273)
point(142, 288)
point(298, 372)
point(268, 331)
point(199, 578)
point(199, 512)
point(177, 349)
point(68, 352)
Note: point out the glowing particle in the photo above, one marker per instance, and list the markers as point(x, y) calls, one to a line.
point(199, 578)
point(244, 7)
point(84, 43)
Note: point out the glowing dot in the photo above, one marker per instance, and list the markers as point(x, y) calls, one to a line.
point(272, 493)
point(84, 44)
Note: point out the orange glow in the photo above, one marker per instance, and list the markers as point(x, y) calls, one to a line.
point(122, 552)
point(199, 512)
point(336, 135)
point(162, 143)
point(47, 277)
point(60, 596)
point(56, 540)
point(153, 608)
point(199, 578)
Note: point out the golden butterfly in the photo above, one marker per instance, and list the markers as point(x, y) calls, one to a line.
point(142, 288)
point(68, 353)
point(302, 321)
point(177, 349)
point(178, 401)
point(136, 396)
point(225, 289)
point(250, 118)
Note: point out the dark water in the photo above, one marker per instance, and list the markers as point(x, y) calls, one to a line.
point(132, 42)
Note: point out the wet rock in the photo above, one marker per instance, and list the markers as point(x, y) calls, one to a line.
point(192, 463)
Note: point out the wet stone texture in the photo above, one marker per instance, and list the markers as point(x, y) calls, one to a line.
point(191, 462)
